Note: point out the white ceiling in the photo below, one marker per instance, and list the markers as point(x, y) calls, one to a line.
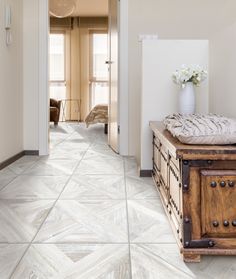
point(91, 8)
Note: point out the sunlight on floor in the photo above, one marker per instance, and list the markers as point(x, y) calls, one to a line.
point(83, 212)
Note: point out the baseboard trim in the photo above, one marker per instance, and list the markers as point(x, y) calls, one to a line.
point(16, 157)
point(145, 173)
point(11, 160)
point(31, 152)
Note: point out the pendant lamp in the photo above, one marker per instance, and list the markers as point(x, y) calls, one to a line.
point(62, 8)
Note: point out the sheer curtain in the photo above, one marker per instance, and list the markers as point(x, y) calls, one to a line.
point(77, 58)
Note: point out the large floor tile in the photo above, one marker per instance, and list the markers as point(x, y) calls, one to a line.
point(6, 176)
point(23, 164)
point(62, 128)
point(158, 262)
point(131, 166)
point(34, 187)
point(81, 144)
point(21, 219)
point(10, 255)
point(141, 188)
point(61, 152)
point(214, 267)
point(148, 222)
point(53, 167)
point(101, 149)
point(85, 222)
point(64, 261)
point(101, 165)
point(95, 187)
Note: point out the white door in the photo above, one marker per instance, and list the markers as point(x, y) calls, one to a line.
point(113, 134)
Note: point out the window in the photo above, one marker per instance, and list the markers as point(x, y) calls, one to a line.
point(57, 66)
point(99, 91)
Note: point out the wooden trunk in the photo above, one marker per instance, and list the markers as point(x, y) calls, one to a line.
point(197, 185)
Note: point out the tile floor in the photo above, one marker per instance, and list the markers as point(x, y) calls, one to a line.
point(83, 212)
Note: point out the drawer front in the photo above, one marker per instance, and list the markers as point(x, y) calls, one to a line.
point(218, 205)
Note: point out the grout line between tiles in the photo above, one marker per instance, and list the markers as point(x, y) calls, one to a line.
point(50, 210)
point(58, 198)
point(9, 182)
point(18, 174)
point(127, 216)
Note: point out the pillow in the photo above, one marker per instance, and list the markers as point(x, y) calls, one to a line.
point(202, 129)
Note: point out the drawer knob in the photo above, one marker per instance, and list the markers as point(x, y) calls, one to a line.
point(222, 184)
point(226, 223)
point(215, 224)
point(234, 223)
point(213, 184)
point(231, 183)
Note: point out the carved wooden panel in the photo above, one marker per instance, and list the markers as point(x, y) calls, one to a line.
point(218, 203)
point(197, 186)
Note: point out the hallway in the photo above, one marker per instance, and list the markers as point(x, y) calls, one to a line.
point(83, 212)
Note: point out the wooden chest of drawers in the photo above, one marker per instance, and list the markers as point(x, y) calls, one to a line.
point(197, 186)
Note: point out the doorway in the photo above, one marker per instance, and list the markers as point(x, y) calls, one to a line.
point(43, 77)
point(79, 44)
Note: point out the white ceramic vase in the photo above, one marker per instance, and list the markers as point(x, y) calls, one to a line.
point(187, 99)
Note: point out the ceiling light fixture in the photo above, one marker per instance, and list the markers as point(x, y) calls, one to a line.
point(62, 8)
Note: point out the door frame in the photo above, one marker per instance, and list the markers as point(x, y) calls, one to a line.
point(44, 77)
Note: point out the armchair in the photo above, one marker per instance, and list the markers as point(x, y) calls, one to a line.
point(55, 108)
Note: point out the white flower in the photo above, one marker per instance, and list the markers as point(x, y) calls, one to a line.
point(194, 74)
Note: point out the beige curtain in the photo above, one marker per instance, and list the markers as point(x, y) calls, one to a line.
point(77, 61)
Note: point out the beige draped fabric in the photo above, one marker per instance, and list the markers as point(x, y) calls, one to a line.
point(77, 32)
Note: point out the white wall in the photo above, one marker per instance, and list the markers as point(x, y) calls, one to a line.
point(35, 12)
point(169, 19)
point(11, 124)
point(223, 65)
point(124, 80)
point(182, 19)
point(160, 58)
point(31, 74)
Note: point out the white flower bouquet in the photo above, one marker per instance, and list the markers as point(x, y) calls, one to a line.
point(194, 74)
